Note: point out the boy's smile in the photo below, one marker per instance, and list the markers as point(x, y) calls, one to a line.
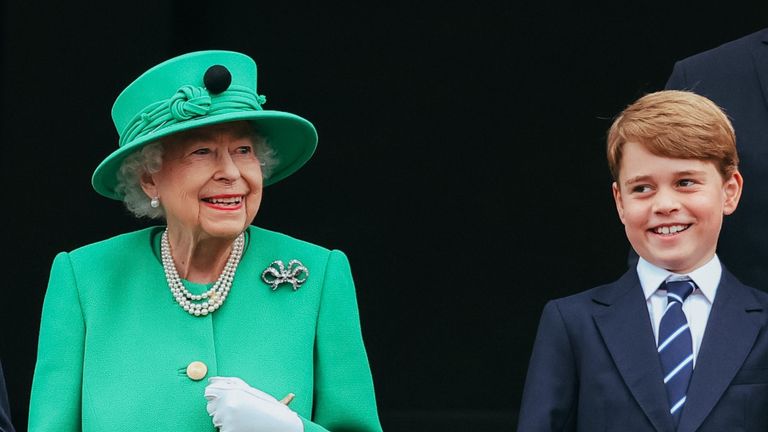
point(670, 230)
point(672, 209)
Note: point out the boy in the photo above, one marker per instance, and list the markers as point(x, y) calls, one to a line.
point(677, 343)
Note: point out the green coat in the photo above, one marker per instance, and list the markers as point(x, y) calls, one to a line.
point(114, 345)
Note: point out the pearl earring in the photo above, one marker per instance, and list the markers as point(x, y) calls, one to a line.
point(154, 202)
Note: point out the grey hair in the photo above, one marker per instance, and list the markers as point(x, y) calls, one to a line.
point(149, 160)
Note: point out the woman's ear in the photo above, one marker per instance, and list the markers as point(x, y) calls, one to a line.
point(148, 185)
point(732, 188)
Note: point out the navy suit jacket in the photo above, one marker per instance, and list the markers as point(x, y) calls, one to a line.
point(595, 367)
point(735, 76)
point(5, 412)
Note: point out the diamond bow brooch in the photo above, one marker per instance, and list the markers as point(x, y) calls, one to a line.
point(276, 274)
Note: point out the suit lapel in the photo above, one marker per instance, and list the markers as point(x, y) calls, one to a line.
point(730, 333)
point(625, 326)
point(760, 56)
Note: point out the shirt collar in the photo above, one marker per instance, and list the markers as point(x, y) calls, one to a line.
point(706, 277)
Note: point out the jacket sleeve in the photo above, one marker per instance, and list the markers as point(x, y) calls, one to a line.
point(551, 386)
point(5, 411)
point(344, 397)
point(55, 402)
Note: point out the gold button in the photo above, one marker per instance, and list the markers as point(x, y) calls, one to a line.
point(197, 370)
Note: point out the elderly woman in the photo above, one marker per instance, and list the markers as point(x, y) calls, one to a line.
point(207, 322)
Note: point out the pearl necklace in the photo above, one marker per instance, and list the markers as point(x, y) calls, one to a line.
point(209, 301)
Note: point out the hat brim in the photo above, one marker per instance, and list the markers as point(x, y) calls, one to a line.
point(293, 139)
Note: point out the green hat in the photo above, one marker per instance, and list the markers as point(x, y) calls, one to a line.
point(200, 89)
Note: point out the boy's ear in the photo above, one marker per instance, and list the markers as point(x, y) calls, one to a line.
point(148, 185)
point(732, 188)
point(617, 199)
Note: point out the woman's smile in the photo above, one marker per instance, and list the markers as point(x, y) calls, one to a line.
point(224, 202)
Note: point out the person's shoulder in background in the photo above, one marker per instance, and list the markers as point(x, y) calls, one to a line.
point(5, 411)
point(720, 64)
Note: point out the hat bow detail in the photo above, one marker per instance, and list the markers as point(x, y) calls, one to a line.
point(189, 101)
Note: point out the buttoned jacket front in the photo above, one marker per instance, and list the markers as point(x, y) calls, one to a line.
point(114, 345)
point(595, 366)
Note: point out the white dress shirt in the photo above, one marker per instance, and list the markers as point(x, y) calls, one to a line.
point(696, 307)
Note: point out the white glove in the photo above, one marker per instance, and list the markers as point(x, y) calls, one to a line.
point(237, 407)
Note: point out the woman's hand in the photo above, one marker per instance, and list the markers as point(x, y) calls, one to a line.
point(237, 407)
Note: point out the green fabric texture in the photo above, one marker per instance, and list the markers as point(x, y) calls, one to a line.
point(114, 345)
point(172, 97)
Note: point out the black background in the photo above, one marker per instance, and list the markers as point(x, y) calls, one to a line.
point(460, 163)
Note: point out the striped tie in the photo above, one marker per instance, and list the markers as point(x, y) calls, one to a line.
point(675, 347)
